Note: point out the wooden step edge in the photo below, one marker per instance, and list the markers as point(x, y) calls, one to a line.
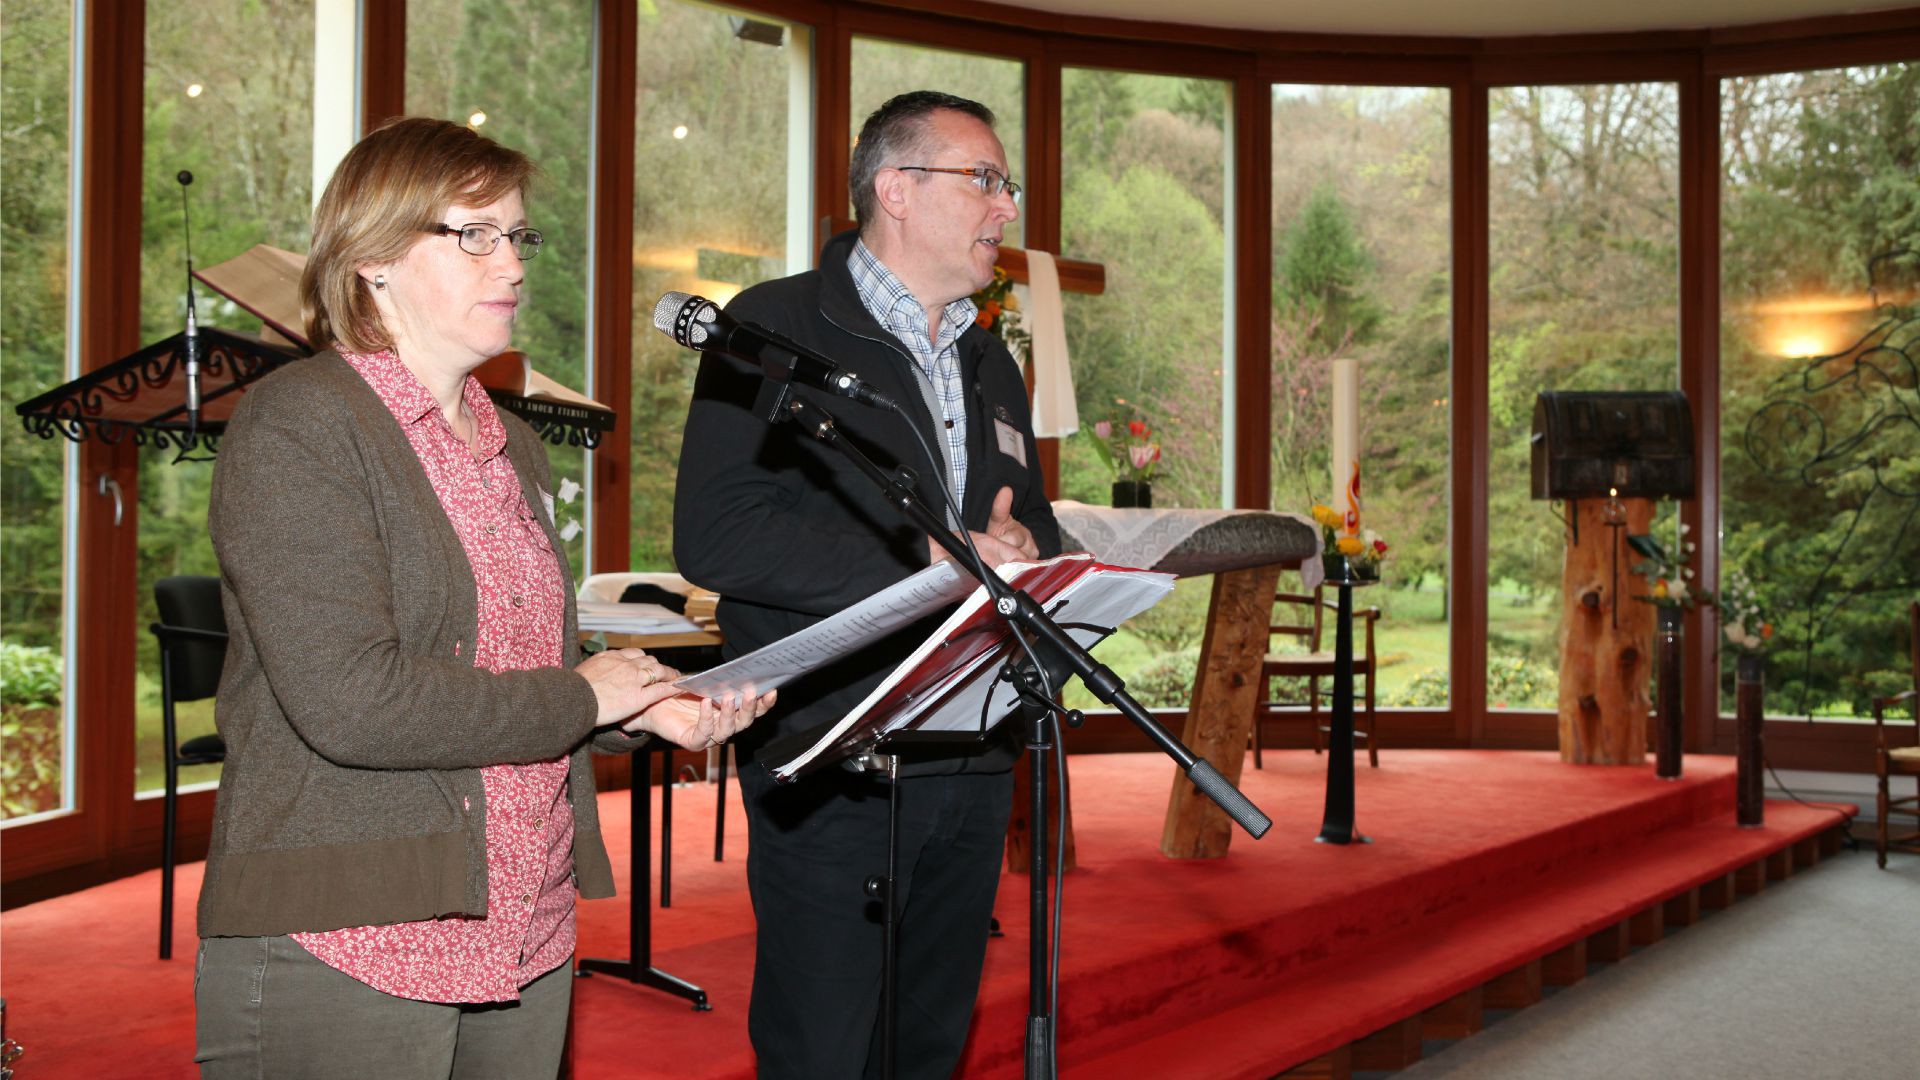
point(1457, 1017)
point(1395, 1046)
point(1521, 987)
point(1337, 1065)
point(1609, 946)
point(1683, 909)
point(1648, 925)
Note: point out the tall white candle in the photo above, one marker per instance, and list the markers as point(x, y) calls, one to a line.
point(1346, 444)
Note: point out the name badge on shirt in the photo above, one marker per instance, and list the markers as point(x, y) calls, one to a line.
point(1011, 444)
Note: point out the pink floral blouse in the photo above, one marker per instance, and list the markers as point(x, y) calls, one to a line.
point(528, 929)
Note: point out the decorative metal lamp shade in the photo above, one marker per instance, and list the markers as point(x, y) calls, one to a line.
point(1589, 444)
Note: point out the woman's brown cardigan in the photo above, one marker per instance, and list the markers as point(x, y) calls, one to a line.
point(356, 724)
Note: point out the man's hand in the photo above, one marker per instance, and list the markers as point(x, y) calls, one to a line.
point(1006, 540)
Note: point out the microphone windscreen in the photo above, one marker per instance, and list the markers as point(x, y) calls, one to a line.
point(684, 318)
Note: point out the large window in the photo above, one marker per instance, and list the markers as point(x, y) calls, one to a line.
point(245, 132)
point(1146, 175)
point(522, 74)
point(35, 46)
point(881, 69)
point(1820, 439)
point(721, 176)
point(1362, 251)
point(1583, 196)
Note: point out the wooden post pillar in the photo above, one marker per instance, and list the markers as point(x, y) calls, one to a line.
point(1606, 638)
point(1225, 691)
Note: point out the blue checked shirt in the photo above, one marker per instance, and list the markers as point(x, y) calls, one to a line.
point(894, 308)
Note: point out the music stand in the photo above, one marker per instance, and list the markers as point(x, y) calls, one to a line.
point(639, 969)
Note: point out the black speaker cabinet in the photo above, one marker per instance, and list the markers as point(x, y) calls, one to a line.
point(1639, 443)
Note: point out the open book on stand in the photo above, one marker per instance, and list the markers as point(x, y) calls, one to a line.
point(513, 384)
point(951, 682)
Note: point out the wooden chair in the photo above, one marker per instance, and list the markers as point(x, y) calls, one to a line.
point(1310, 621)
point(1891, 760)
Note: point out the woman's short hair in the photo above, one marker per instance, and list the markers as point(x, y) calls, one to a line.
point(391, 187)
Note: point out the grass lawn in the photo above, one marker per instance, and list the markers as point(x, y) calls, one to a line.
point(1412, 635)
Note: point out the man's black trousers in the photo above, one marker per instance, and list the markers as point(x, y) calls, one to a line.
point(816, 986)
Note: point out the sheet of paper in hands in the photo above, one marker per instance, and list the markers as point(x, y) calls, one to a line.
point(837, 635)
point(949, 682)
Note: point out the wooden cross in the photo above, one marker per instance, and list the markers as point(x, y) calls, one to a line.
point(1086, 278)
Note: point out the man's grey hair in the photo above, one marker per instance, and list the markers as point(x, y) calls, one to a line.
point(898, 133)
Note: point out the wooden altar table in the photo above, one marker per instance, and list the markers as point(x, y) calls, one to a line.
point(1244, 550)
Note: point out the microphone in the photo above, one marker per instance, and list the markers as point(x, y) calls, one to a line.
point(697, 323)
point(190, 347)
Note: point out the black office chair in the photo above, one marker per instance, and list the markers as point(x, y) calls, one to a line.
point(192, 632)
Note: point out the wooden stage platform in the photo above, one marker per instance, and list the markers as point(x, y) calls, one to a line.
point(1490, 874)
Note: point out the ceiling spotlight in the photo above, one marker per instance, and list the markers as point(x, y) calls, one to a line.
point(476, 119)
point(680, 131)
point(195, 89)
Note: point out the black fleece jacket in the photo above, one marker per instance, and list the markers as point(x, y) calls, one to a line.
point(787, 532)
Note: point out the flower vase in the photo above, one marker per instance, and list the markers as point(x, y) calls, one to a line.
point(1750, 755)
point(1339, 568)
point(1132, 493)
point(1667, 734)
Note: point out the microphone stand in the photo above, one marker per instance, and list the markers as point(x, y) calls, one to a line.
point(777, 402)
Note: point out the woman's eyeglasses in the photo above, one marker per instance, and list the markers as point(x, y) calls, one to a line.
point(481, 239)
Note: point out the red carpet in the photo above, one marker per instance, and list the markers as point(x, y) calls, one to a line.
point(1237, 967)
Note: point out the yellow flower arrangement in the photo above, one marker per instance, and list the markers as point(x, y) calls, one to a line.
point(1365, 551)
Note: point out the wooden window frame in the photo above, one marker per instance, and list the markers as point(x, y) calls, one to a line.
point(110, 833)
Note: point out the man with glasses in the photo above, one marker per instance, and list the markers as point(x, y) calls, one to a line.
point(788, 533)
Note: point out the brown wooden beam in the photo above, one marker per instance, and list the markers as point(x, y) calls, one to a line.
point(383, 62)
point(1251, 373)
point(1699, 123)
point(1467, 570)
point(611, 314)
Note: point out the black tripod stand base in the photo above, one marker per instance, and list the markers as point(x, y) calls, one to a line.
point(651, 977)
point(1329, 836)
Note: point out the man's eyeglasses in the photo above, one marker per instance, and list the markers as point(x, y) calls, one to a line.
point(991, 182)
point(481, 239)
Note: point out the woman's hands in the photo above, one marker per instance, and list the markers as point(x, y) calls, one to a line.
point(625, 682)
point(698, 723)
point(636, 691)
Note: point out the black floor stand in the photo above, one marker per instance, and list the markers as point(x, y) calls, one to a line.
point(720, 808)
point(640, 970)
point(1336, 825)
point(1040, 1033)
point(881, 887)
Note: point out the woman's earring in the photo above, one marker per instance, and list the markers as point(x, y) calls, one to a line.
point(379, 281)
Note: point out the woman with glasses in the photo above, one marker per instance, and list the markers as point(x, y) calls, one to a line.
point(407, 807)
